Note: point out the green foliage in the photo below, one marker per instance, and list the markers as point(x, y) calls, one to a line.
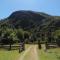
point(22, 24)
point(19, 34)
point(26, 35)
point(58, 41)
point(57, 33)
point(8, 36)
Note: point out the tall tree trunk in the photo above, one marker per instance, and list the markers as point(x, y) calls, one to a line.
point(10, 47)
point(39, 44)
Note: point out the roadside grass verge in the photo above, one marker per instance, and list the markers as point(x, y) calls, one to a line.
point(50, 54)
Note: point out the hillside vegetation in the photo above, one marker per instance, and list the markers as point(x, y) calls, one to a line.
point(22, 25)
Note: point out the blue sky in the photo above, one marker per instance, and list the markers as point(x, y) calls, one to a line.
point(51, 7)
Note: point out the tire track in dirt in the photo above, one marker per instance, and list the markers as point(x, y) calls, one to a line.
point(25, 52)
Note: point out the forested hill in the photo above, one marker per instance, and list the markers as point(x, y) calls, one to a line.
point(30, 20)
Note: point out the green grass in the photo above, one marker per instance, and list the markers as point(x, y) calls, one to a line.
point(51, 54)
point(10, 55)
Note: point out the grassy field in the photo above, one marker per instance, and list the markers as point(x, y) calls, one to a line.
point(10, 55)
point(51, 54)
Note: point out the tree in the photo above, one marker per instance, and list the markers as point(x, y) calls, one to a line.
point(9, 37)
point(20, 35)
point(26, 36)
point(0, 35)
point(58, 41)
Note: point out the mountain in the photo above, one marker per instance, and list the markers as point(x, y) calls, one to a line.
point(30, 20)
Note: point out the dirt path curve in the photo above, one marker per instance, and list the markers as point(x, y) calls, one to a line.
point(25, 52)
point(30, 53)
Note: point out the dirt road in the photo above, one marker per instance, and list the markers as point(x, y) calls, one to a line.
point(30, 53)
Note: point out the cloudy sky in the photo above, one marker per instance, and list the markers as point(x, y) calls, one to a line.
point(51, 7)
